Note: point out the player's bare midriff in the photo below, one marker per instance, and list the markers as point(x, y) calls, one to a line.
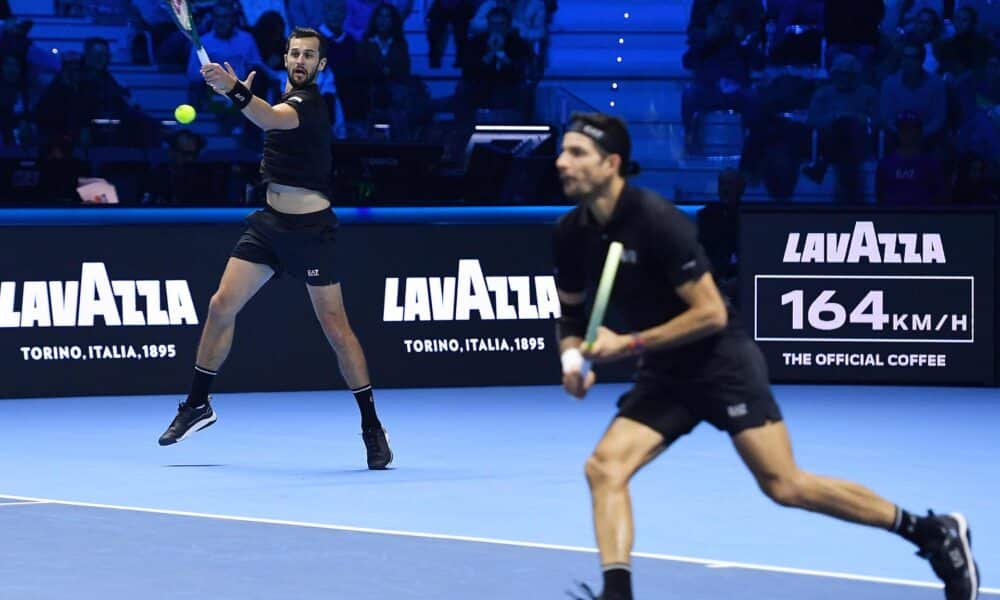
point(295, 200)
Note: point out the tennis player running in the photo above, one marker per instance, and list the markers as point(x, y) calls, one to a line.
point(294, 234)
point(694, 364)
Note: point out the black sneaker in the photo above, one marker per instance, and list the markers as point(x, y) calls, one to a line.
point(377, 445)
point(950, 555)
point(188, 420)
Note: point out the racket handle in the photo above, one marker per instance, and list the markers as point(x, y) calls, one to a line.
point(202, 56)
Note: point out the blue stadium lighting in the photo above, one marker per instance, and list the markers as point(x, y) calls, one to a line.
point(611, 104)
point(621, 40)
point(627, 15)
point(614, 85)
point(619, 59)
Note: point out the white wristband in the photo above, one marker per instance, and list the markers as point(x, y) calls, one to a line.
point(572, 360)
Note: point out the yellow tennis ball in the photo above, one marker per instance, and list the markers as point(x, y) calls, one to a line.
point(184, 113)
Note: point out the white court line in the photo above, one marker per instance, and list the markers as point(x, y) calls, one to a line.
point(2, 504)
point(711, 564)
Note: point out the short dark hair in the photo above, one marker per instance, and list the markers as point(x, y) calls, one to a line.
point(307, 32)
point(616, 130)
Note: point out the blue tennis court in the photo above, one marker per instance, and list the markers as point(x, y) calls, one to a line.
point(486, 498)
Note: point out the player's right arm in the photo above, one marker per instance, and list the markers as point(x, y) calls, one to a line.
point(223, 80)
point(571, 328)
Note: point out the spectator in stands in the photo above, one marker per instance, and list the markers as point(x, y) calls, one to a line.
point(61, 113)
point(721, 59)
point(225, 43)
point(798, 31)
point(155, 21)
point(269, 35)
point(746, 16)
point(109, 96)
point(719, 228)
point(457, 14)
point(909, 176)
point(105, 98)
point(42, 66)
point(344, 85)
point(968, 50)
point(925, 29)
point(528, 17)
point(988, 12)
point(359, 14)
point(493, 75)
point(901, 14)
point(853, 26)
point(394, 96)
point(978, 132)
point(915, 90)
point(843, 112)
point(977, 182)
point(14, 104)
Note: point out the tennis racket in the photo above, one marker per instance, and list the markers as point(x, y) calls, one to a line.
point(181, 13)
point(601, 300)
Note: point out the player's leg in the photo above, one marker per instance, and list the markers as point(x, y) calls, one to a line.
point(649, 420)
point(328, 302)
point(944, 540)
point(240, 281)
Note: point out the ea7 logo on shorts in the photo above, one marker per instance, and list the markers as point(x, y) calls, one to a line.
point(312, 272)
point(737, 410)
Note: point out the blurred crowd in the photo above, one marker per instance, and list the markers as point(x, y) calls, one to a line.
point(823, 87)
point(65, 104)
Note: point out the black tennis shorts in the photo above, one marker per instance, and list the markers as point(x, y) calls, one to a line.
point(730, 390)
point(300, 245)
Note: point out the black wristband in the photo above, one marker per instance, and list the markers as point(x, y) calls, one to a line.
point(240, 95)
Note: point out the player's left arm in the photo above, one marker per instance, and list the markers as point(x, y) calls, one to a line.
point(706, 314)
point(223, 80)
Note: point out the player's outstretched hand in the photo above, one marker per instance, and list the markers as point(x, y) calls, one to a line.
point(223, 79)
point(609, 346)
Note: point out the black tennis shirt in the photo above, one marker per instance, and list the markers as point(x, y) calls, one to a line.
point(301, 157)
point(661, 253)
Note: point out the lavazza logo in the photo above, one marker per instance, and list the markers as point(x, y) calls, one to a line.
point(499, 297)
point(118, 302)
point(864, 243)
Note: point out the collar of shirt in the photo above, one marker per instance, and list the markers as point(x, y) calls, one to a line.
point(627, 202)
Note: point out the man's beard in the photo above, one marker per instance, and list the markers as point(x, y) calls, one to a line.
point(310, 78)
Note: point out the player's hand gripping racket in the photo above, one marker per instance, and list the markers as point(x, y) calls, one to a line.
point(601, 300)
point(182, 17)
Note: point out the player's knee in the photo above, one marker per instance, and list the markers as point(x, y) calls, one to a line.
point(786, 490)
point(603, 472)
point(222, 306)
point(337, 329)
